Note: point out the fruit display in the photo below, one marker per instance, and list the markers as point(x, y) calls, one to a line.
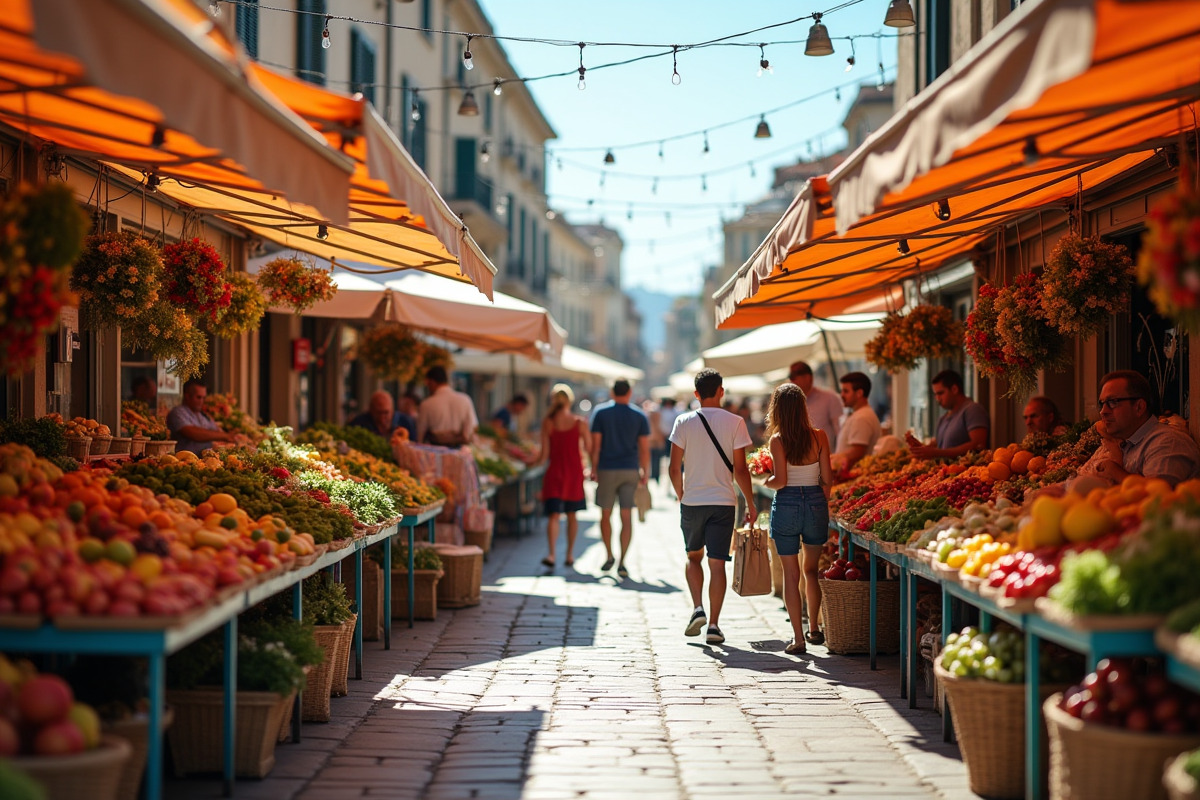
point(998, 656)
point(1133, 694)
point(499, 468)
point(843, 570)
point(223, 408)
point(39, 715)
point(900, 527)
point(138, 420)
point(325, 435)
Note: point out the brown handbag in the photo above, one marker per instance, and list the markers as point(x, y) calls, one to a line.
point(751, 562)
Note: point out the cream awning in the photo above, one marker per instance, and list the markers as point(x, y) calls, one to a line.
point(774, 347)
point(575, 363)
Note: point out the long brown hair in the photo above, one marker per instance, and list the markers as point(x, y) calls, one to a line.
point(788, 416)
point(561, 398)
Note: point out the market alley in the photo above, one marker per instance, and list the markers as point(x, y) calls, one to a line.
point(565, 685)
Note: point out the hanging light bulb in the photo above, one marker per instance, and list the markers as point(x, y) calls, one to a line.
point(582, 70)
point(704, 183)
point(629, 213)
point(753, 174)
point(660, 152)
point(415, 112)
point(159, 137)
point(675, 77)
point(322, 232)
point(496, 87)
point(818, 43)
point(468, 61)
point(485, 154)
point(763, 64)
point(468, 107)
point(1030, 153)
point(902, 246)
point(705, 151)
point(850, 60)
point(609, 158)
point(214, 8)
point(326, 42)
point(763, 131)
point(882, 83)
point(550, 214)
point(899, 15)
point(942, 210)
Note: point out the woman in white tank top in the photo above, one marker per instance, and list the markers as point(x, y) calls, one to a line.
point(800, 510)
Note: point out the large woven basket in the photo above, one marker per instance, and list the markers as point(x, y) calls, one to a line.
point(989, 720)
point(135, 730)
point(480, 539)
point(160, 447)
point(78, 447)
point(1179, 784)
point(94, 774)
point(315, 700)
point(1091, 762)
point(100, 445)
point(461, 584)
point(425, 591)
point(846, 616)
point(197, 738)
point(119, 446)
point(341, 659)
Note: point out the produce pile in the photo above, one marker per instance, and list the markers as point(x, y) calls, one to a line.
point(1133, 694)
point(40, 716)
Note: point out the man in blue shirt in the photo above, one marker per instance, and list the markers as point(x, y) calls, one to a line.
point(964, 427)
point(621, 455)
point(382, 419)
point(506, 417)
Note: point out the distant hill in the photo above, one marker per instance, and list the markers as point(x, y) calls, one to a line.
point(653, 306)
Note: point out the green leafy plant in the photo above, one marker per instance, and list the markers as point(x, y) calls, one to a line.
point(117, 276)
point(357, 438)
point(325, 601)
point(423, 558)
point(246, 308)
point(392, 352)
point(370, 502)
point(44, 436)
point(272, 654)
point(296, 282)
point(168, 334)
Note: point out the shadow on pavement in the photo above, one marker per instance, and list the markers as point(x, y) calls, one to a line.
point(758, 660)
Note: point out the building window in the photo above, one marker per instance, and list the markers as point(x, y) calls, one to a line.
point(310, 56)
point(511, 213)
point(417, 132)
point(937, 54)
point(246, 25)
point(464, 168)
point(362, 65)
point(427, 18)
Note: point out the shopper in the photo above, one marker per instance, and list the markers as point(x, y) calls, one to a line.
point(505, 418)
point(620, 457)
point(824, 406)
point(861, 430)
point(564, 443)
point(800, 510)
point(446, 417)
point(714, 442)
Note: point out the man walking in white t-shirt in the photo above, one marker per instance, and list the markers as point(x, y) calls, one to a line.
point(824, 407)
point(861, 430)
point(714, 442)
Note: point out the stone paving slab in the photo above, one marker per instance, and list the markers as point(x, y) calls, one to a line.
point(569, 683)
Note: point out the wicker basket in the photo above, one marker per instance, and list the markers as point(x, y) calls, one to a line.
point(426, 593)
point(1180, 785)
point(160, 447)
point(119, 446)
point(989, 720)
point(341, 659)
point(78, 447)
point(137, 446)
point(372, 598)
point(197, 740)
point(315, 700)
point(1090, 761)
point(480, 539)
point(101, 445)
point(461, 585)
point(846, 616)
point(94, 774)
point(136, 731)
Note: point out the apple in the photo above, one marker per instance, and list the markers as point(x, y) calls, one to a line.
point(13, 580)
point(1166, 709)
point(88, 722)
point(1093, 711)
point(59, 739)
point(1124, 697)
point(29, 603)
point(853, 574)
point(1097, 686)
point(1139, 720)
point(44, 699)
point(123, 608)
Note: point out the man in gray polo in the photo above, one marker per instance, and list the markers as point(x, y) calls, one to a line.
point(192, 428)
point(621, 454)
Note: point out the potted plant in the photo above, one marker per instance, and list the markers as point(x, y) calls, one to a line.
point(1169, 262)
point(427, 566)
point(245, 310)
point(1086, 281)
point(194, 278)
point(326, 607)
point(927, 331)
point(392, 352)
point(296, 283)
point(117, 277)
point(166, 332)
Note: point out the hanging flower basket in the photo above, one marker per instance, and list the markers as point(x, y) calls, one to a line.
point(246, 308)
point(223, 408)
point(1008, 335)
point(1086, 281)
point(982, 339)
point(927, 331)
point(41, 234)
point(194, 278)
point(435, 356)
point(168, 334)
point(117, 278)
point(295, 283)
point(1169, 262)
point(392, 352)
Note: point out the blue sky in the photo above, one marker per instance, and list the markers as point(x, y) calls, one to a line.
point(674, 233)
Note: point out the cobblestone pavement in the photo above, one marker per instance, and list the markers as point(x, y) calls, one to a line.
point(569, 683)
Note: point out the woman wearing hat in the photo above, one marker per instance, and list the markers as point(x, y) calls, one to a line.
point(564, 443)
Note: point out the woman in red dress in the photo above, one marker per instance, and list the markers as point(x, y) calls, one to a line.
point(564, 443)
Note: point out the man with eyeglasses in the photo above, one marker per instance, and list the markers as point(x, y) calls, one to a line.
point(1135, 442)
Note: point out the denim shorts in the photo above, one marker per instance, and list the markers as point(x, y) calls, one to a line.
point(799, 513)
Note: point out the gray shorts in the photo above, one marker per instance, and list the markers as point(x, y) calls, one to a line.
point(707, 528)
point(614, 484)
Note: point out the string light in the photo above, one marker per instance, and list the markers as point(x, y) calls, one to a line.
point(705, 151)
point(609, 158)
point(660, 152)
point(899, 15)
point(582, 70)
point(850, 60)
point(152, 183)
point(1029, 153)
point(468, 61)
point(322, 232)
point(763, 131)
point(675, 77)
point(763, 64)
point(485, 154)
point(159, 137)
point(902, 246)
point(550, 214)
point(942, 210)
point(415, 113)
point(326, 42)
point(818, 43)
point(496, 87)
point(468, 107)
point(882, 84)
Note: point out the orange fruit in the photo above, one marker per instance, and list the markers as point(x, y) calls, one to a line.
point(1020, 461)
point(222, 503)
point(999, 471)
point(1037, 465)
point(133, 516)
point(1003, 456)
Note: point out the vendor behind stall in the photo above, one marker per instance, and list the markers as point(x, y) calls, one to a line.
point(505, 418)
point(191, 428)
point(382, 419)
point(963, 428)
point(446, 417)
point(1134, 442)
point(1041, 416)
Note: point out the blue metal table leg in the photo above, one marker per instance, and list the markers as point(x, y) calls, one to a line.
point(154, 751)
point(985, 621)
point(298, 700)
point(412, 576)
point(229, 718)
point(903, 633)
point(358, 606)
point(1033, 717)
point(947, 629)
point(432, 527)
point(872, 568)
point(912, 653)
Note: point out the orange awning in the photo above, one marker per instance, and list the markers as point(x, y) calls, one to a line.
point(1093, 86)
point(153, 84)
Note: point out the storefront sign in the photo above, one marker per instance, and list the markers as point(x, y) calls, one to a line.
point(301, 354)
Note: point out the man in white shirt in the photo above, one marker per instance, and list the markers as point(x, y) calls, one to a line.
point(824, 407)
point(714, 442)
point(446, 417)
point(861, 430)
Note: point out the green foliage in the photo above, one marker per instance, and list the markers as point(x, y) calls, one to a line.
point(913, 518)
point(325, 601)
point(354, 436)
point(16, 785)
point(272, 653)
point(1192, 765)
point(498, 467)
point(423, 557)
point(1185, 619)
point(44, 436)
point(369, 501)
point(1090, 585)
point(52, 225)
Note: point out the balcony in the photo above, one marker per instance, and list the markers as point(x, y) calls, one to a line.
point(473, 201)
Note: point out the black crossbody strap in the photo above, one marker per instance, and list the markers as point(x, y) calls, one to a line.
point(716, 444)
